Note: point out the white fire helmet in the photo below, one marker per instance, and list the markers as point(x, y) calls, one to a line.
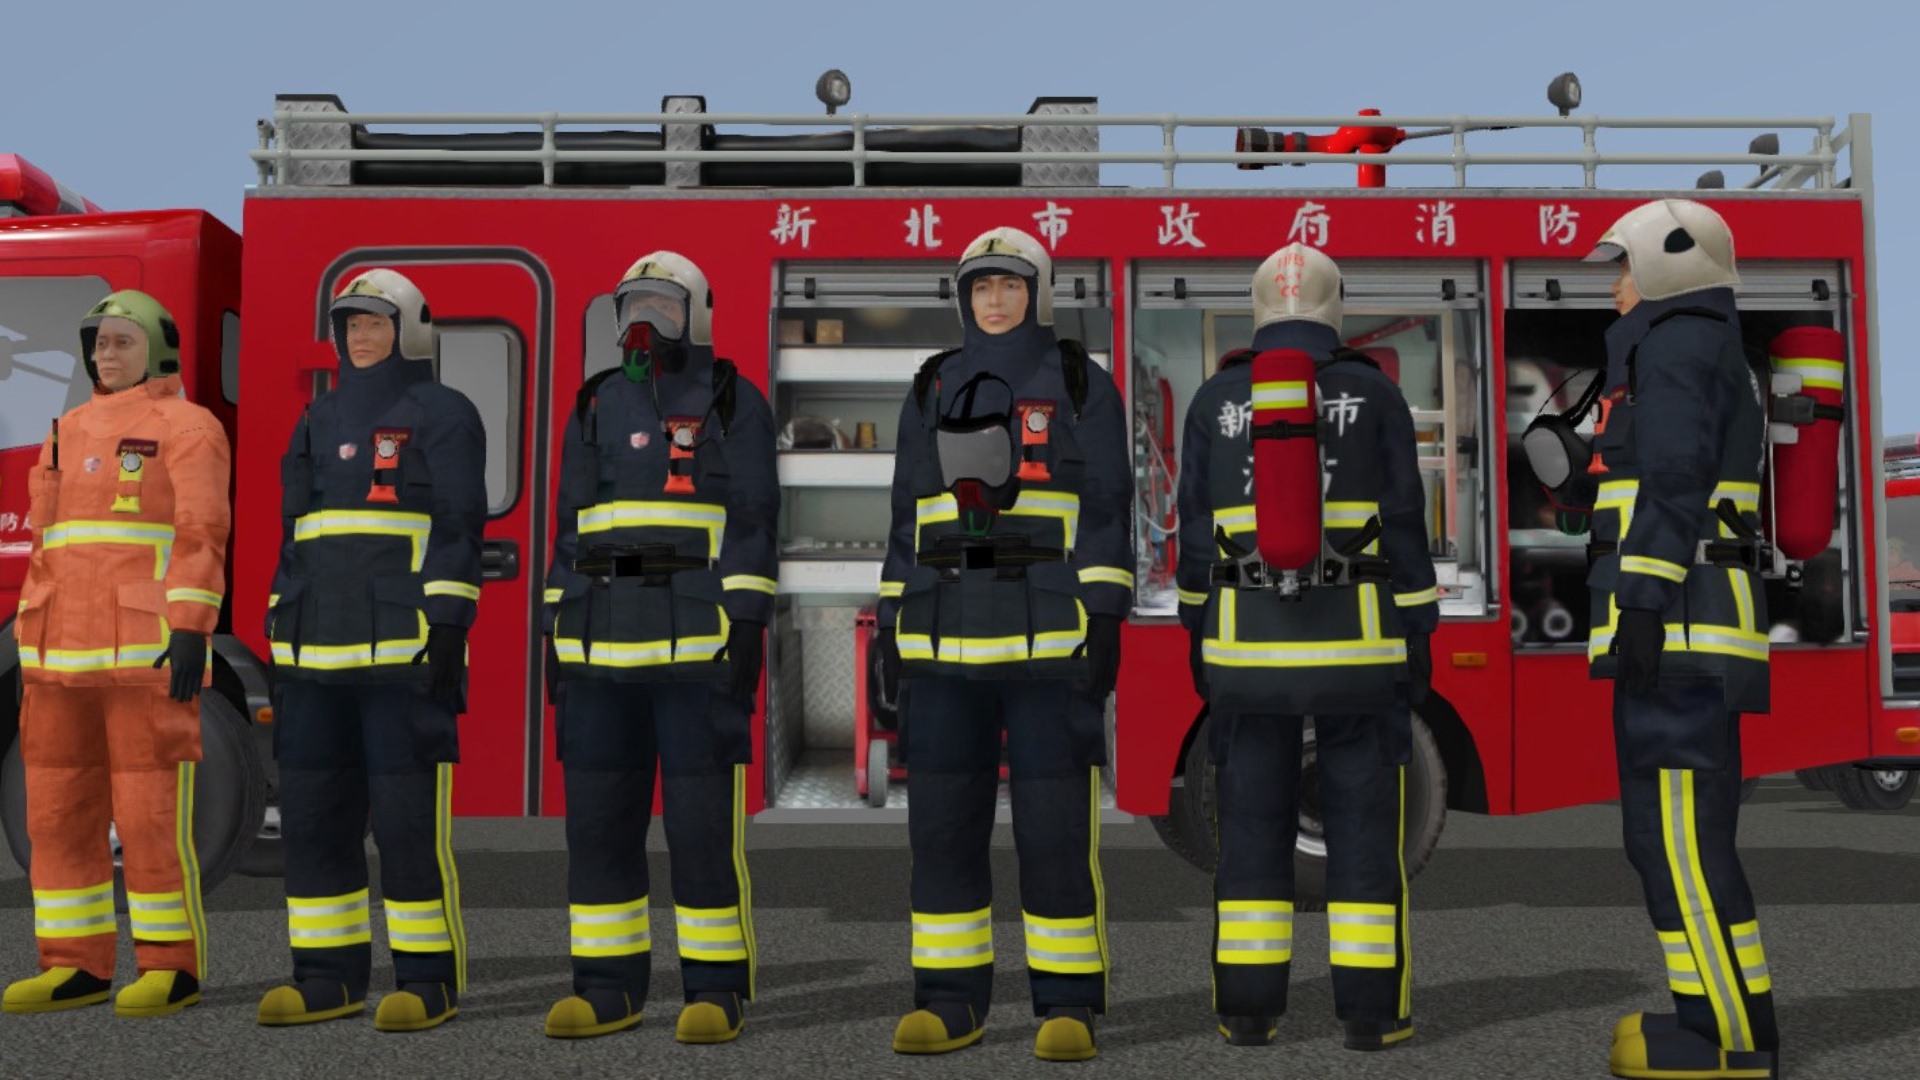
point(1297, 282)
point(384, 292)
point(1672, 246)
point(1008, 251)
point(665, 274)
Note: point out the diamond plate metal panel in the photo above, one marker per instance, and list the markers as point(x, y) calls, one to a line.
point(784, 708)
point(823, 780)
point(829, 677)
point(682, 137)
point(316, 137)
point(1051, 138)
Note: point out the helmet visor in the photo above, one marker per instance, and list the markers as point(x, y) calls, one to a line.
point(652, 302)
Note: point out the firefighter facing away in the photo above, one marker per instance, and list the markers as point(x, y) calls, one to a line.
point(1340, 635)
point(383, 502)
point(660, 590)
point(1006, 577)
point(124, 584)
point(1681, 446)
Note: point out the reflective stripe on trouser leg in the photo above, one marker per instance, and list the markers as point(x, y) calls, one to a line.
point(76, 927)
point(1362, 807)
point(154, 813)
point(1683, 975)
point(952, 780)
point(1257, 771)
point(412, 826)
point(610, 929)
point(608, 812)
point(1751, 956)
point(69, 807)
point(329, 922)
point(1056, 833)
point(1701, 923)
point(705, 823)
point(946, 942)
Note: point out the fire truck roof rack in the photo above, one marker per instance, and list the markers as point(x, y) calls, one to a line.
point(25, 191)
point(313, 140)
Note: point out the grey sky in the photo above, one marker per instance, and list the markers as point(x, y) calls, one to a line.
point(164, 116)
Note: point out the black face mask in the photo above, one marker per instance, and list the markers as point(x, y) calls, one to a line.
point(645, 347)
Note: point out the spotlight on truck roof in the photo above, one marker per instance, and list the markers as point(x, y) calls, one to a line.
point(833, 89)
point(1564, 92)
point(1712, 178)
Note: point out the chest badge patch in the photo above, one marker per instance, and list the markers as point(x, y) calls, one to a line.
point(348, 451)
point(639, 440)
point(92, 464)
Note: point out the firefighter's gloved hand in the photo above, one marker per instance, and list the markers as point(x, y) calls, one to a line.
point(1103, 654)
point(1638, 638)
point(446, 660)
point(187, 654)
point(1419, 667)
point(552, 670)
point(1197, 662)
point(889, 647)
point(748, 651)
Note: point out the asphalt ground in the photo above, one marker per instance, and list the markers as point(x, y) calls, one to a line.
point(1528, 935)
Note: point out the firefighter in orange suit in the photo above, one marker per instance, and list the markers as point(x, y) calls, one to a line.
point(130, 521)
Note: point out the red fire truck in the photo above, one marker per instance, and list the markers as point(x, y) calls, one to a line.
point(831, 256)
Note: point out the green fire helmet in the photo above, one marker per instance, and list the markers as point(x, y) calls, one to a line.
point(163, 336)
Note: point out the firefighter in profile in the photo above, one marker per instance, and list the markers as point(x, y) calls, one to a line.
point(1681, 628)
point(1007, 573)
point(124, 584)
point(383, 498)
point(1307, 590)
point(657, 600)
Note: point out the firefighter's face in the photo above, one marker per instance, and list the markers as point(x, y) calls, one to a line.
point(999, 302)
point(120, 353)
point(369, 338)
point(1625, 296)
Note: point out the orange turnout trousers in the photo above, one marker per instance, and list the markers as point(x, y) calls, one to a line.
point(129, 543)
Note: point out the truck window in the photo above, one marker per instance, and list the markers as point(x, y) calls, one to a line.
point(1903, 551)
point(41, 375)
point(483, 361)
point(1432, 353)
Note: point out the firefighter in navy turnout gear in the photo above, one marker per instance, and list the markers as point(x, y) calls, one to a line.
point(662, 582)
point(384, 499)
point(1680, 627)
point(1348, 649)
point(1006, 577)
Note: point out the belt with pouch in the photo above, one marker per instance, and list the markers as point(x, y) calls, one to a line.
point(656, 564)
point(1726, 553)
point(1008, 555)
point(1255, 574)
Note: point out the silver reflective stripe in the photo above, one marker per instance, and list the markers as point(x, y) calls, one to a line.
point(580, 942)
point(1356, 919)
point(1064, 957)
point(73, 924)
point(1381, 948)
point(607, 917)
point(152, 905)
point(946, 954)
point(1060, 932)
point(73, 901)
point(142, 924)
point(441, 938)
point(1691, 901)
point(952, 927)
point(331, 932)
point(1255, 916)
point(688, 920)
point(1266, 945)
point(1746, 940)
point(327, 909)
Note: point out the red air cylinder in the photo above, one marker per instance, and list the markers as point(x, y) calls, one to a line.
point(1806, 472)
point(1286, 459)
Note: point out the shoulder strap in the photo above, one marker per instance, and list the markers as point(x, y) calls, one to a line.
point(726, 378)
point(1701, 312)
point(1074, 362)
point(924, 378)
point(1238, 357)
point(583, 405)
point(1353, 356)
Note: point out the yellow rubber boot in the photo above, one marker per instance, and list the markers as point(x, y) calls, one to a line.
point(158, 993)
point(1067, 1035)
point(711, 1018)
point(932, 1030)
point(55, 989)
point(1679, 1054)
point(590, 1013)
point(1644, 1022)
point(308, 1002)
point(416, 1007)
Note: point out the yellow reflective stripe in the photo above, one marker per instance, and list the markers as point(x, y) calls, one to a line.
point(184, 848)
point(631, 654)
point(1229, 617)
point(1068, 946)
point(890, 590)
point(361, 523)
point(326, 922)
point(553, 595)
point(710, 933)
point(611, 929)
point(1702, 638)
point(80, 660)
point(1660, 568)
point(1289, 394)
point(1683, 975)
point(1742, 598)
point(1253, 931)
point(1347, 515)
point(1235, 519)
point(1406, 928)
point(1752, 957)
point(630, 514)
point(273, 600)
point(953, 941)
point(1302, 654)
point(997, 650)
point(452, 588)
point(1106, 575)
point(1361, 935)
point(1197, 599)
point(1816, 373)
point(742, 881)
point(193, 596)
point(158, 916)
point(749, 582)
point(72, 913)
point(1099, 886)
point(1616, 494)
point(1369, 599)
point(1062, 506)
point(418, 926)
point(1702, 924)
point(450, 874)
point(64, 533)
point(339, 657)
point(1415, 599)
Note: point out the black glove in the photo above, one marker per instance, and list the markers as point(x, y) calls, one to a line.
point(1638, 638)
point(551, 668)
point(889, 647)
point(748, 651)
point(1419, 667)
point(187, 652)
point(1197, 662)
point(446, 658)
point(1103, 654)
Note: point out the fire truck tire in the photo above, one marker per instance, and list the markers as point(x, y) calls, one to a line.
point(229, 797)
point(1814, 779)
point(877, 773)
point(1881, 790)
point(1822, 600)
point(1188, 828)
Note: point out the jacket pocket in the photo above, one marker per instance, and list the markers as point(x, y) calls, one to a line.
point(283, 615)
point(916, 621)
point(1056, 621)
point(140, 634)
point(175, 727)
point(296, 485)
point(43, 497)
point(30, 625)
point(396, 614)
point(566, 615)
point(700, 624)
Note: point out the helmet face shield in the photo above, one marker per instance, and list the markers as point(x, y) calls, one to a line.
point(651, 302)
